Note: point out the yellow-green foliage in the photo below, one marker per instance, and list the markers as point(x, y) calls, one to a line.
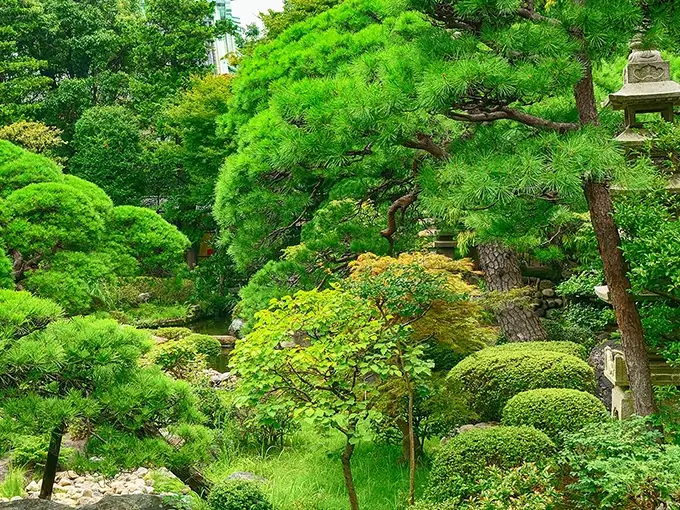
point(461, 460)
point(184, 356)
point(554, 410)
point(491, 377)
point(172, 333)
point(457, 323)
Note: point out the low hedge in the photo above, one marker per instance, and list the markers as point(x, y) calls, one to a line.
point(238, 495)
point(554, 410)
point(565, 347)
point(491, 377)
point(205, 344)
point(461, 461)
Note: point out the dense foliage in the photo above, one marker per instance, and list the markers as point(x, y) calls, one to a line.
point(491, 377)
point(66, 239)
point(555, 411)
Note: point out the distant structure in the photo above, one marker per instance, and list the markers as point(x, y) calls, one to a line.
point(218, 55)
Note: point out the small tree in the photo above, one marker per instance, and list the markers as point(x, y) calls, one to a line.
point(427, 292)
point(320, 354)
point(87, 371)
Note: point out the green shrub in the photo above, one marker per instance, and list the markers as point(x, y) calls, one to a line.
point(6, 270)
point(238, 495)
point(620, 465)
point(179, 358)
point(526, 487)
point(13, 484)
point(564, 347)
point(207, 345)
point(554, 410)
point(463, 459)
point(21, 313)
point(140, 233)
point(491, 377)
point(172, 333)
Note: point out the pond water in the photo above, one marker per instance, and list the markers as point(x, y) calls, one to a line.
point(219, 327)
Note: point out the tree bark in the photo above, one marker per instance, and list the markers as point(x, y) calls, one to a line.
point(194, 479)
point(412, 449)
point(627, 315)
point(615, 267)
point(347, 471)
point(502, 274)
point(52, 462)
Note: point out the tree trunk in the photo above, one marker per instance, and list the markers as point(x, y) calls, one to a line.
point(502, 274)
point(615, 268)
point(52, 462)
point(412, 449)
point(627, 315)
point(349, 480)
point(402, 425)
point(194, 479)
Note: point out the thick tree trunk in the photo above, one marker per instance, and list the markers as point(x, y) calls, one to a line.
point(194, 479)
point(627, 315)
point(52, 462)
point(347, 471)
point(502, 274)
point(615, 268)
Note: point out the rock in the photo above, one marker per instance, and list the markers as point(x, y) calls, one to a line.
point(235, 327)
point(474, 426)
point(538, 294)
point(540, 312)
point(545, 285)
point(16, 498)
point(141, 471)
point(159, 339)
point(548, 293)
point(559, 302)
point(87, 493)
point(144, 297)
point(226, 341)
point(33, 486)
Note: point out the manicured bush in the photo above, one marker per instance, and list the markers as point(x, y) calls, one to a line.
point(238, 495)
point(156, 245)
point(460, 461)
point(554, 410)
point(207, 345)
point(19, 168)
point(491, 377)
point(564, 347)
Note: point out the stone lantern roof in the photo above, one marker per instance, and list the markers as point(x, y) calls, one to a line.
point(648, 88)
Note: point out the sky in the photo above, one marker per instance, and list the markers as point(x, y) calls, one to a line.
point(248, 10)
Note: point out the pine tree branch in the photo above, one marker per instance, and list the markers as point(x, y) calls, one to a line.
point(424, 142)
point(532, 15)
point(511, 114)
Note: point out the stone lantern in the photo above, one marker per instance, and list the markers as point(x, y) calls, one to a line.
point(647, 88)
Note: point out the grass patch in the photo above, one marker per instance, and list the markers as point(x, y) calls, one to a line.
point(307, 474)
point(13, 484)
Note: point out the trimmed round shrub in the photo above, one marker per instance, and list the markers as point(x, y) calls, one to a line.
point(172, 333)
point(466, 457)
point(205, 344)
point(491, 377)
point(554, 410)
point(238, 495)
point(565, 347)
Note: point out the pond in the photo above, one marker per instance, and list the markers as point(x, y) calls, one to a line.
point(217, 327)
